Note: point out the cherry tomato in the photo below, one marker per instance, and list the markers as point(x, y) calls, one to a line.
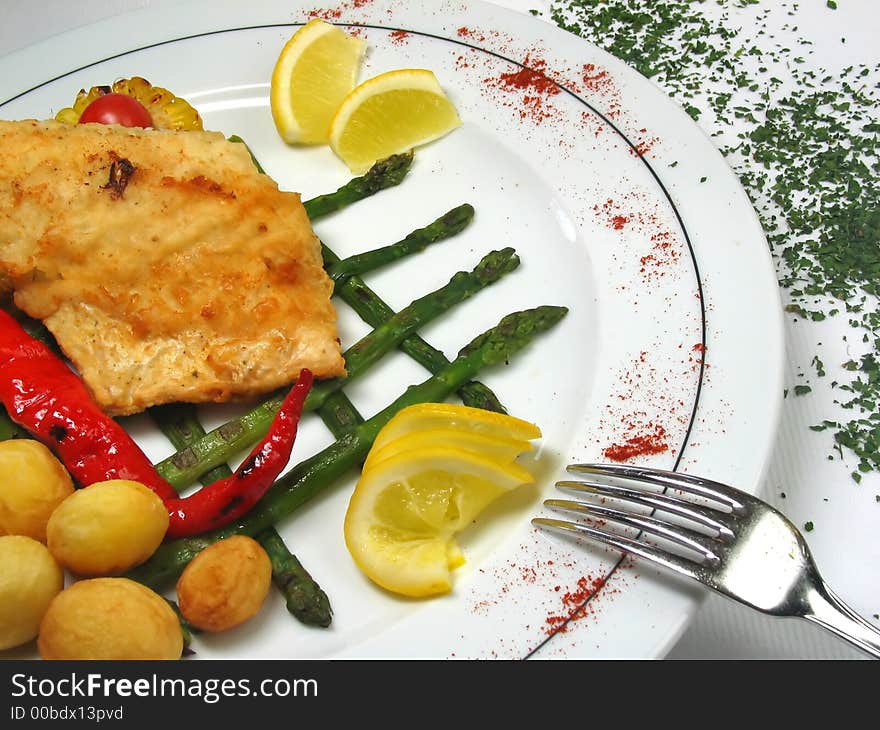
point(117, 109)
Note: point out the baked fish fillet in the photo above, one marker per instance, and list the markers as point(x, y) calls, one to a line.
point(167, 268)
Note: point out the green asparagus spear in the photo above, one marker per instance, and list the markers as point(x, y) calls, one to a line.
point(182, 468)
point(181, 426)
point(370, 308)
point(311, 476)
point(339, 414)
point(304, 597)
point(445, 226)
point(365, 353)
point(384, 174)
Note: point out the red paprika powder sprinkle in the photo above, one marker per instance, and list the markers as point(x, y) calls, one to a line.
point(697, 357)
point(399, 36)
point(465, 32)
point(591, 122)
point(335, 13)
point(633, 213)
point(644, 144)
point(619, 221)
point(610, 211)
point(531, 76)
point(536, 87)
point(647, 440)
point(596, 79)
point(326, 13)
point(598, 82)
point(575, 604)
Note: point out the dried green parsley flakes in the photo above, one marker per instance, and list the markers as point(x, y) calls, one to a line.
point(804, 144)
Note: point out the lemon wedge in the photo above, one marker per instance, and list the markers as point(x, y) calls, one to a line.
point(314, 72)
point(499, 450)
point(432, 469)
point(427, 418)
point(388, 114)
point(406, 509)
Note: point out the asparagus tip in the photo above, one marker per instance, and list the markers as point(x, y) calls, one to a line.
point(388, 172)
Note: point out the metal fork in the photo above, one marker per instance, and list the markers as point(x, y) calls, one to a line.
point(738, 545)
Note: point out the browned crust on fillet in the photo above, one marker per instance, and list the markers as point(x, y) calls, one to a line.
point(165, 265)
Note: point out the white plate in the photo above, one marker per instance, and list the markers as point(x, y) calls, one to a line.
point(619, 208)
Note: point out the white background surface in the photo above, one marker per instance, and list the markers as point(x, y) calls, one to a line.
point(721, 629)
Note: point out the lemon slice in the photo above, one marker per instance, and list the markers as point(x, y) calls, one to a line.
point(317, 67)
point(425, 417)
point(406, 509)
point(389, 114)
point(501, 450)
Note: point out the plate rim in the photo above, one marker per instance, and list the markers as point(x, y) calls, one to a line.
point(124, 20)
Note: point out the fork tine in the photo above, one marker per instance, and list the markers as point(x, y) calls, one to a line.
point(627, 545)
point(681, 536)
point(733, 498)
point(711, 518)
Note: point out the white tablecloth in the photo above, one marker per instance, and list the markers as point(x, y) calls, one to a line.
point(721, 629)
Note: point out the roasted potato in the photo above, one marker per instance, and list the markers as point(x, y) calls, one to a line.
point(29, 580)
point(225, 584)
point(110, 618)
point(32, 484)
point(107, 528)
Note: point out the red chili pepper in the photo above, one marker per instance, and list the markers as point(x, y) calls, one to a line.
point(45, 397)
point(228, 499)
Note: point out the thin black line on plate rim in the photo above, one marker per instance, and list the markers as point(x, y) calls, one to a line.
point(577, 609)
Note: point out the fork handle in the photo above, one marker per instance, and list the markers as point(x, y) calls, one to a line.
point(830, 612)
